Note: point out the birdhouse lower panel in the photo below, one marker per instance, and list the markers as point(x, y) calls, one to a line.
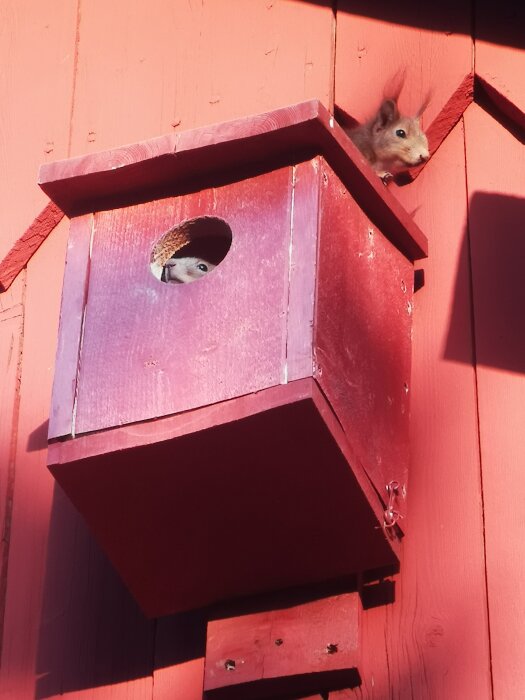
point(260, 503)
point(151, 348)
point(362, 335)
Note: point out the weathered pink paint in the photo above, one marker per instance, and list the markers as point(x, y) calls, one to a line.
point(84, 78)
point(296, 297)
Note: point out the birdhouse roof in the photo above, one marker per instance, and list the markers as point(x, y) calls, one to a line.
point(228, 152)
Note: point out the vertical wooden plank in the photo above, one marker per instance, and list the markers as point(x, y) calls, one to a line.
point(370, 52)
point(496, 177)
point(75, 289)
point(303, 261)
point(37, 56)
point(37, 43)
point(11, 330)
point(33, 485)
point(179, 656)
point(432, 643)
point(69, 625)
point(499, 50)
point(168, 72)
point(180, 65)
point(94, 642)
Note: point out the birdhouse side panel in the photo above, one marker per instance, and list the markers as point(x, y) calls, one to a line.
point(150, 348)
point(363, 333)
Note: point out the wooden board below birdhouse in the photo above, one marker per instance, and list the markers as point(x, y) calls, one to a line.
point(290, 650)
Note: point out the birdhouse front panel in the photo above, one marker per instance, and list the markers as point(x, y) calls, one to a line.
point(149, 348)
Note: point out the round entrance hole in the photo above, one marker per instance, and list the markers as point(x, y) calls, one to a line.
point(190, 250)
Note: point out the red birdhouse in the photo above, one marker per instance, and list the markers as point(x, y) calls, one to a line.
point(244, 427)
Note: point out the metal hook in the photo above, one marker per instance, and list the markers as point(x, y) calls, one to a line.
point(391, 515)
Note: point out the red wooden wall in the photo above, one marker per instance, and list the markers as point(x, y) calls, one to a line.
point(80, 77)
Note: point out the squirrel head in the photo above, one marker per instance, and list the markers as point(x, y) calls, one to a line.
point(398, 142)
point(185, 269)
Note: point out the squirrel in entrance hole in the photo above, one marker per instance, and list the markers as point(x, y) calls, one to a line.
point(185, 269)
point(390, 141)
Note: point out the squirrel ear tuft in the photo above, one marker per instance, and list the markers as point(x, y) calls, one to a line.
point(424, 104)
point(387, 114)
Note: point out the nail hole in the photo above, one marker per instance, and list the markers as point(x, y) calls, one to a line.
point(331, 649)
point(278, 642)
point(229, 665)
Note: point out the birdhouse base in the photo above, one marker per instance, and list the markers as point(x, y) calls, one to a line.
point(253, 494)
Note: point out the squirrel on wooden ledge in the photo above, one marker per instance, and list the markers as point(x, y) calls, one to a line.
point(391, 142)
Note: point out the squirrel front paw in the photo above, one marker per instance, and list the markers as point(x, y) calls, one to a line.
point(385, 177)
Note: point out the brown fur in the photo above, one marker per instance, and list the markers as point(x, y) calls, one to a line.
point(380, 143)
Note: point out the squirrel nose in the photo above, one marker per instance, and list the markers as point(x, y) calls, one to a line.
point(423, 157)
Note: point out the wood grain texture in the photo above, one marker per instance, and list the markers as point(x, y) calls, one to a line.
point(163, 166)
point(371, 52)
point(11, 332)
point(57, 637)
point(362, 341)
point(175, 66)
point(57, 62)
point(500, 106)
point(501, 65)
point(149, 348)
point(75, 290)
point(432, 643)
point(302, 274)
point(36, 95)
point(122, 72)
point(290, 650)
point(61, 454)
point(33, 486)
point(496, 176)
point(140, 504)
point(148, 432)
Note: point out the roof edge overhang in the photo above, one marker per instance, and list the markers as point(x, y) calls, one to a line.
point(224, 152)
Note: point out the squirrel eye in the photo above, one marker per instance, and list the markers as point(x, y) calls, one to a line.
point(202, 267)
point(401, 133)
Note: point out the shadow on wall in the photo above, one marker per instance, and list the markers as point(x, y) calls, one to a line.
point(497, 254)
point(500, 26)
point(92, 633)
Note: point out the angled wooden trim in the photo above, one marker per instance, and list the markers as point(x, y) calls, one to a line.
point(445, 121)
point(472, 88)
point(476, 89)
point(222, 153)
point(28, 243)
